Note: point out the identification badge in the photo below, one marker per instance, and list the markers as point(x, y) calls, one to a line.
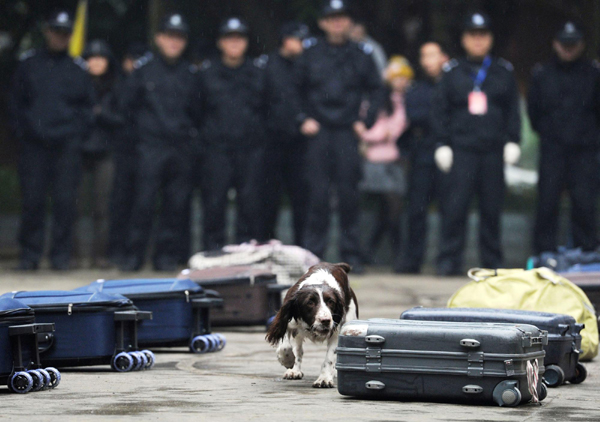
point(478, 103)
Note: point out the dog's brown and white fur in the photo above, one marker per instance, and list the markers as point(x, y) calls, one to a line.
point(314, 309)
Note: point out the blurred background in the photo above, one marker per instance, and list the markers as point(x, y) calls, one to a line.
point(523, 30)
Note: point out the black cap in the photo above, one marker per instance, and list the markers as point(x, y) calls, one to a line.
point(335, 7)
point(477, 21)
point(569, 33)
point(97, 48)
point(295, 30)
point(174, 22)
point(136, 50)
point(234, 25)
point(60, 20)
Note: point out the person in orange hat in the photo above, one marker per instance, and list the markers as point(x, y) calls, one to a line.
point(383, 173)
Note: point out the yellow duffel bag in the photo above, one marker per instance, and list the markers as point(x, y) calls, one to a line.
point(539, 289)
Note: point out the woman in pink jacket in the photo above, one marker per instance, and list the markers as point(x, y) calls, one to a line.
point(383, 172)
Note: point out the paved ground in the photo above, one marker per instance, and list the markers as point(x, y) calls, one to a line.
point(243, 382)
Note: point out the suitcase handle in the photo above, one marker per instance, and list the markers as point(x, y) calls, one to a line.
point(207, 302)
point(28, 329)
point(278, 287)
point(132, 315)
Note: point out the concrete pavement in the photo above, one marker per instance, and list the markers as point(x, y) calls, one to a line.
point(243, 382)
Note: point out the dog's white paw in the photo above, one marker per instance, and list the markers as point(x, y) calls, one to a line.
point(290, 374)
point(324, 381)
point(286, 357)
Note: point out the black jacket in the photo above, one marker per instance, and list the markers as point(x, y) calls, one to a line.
point(452, 123)
point(161, 99)
point(52, 98)
point(232, 103)
point(334, 80)
point(564, 102)
point(418, 101)
point(282, 100)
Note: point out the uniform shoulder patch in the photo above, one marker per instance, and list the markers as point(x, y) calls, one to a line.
point(79, 61)
point(506, 64)
point(309, 42)
point(193, 68)
point(206, 64)
point(143, 61)
point(261, 61)
point(537, 68)
point(27, 54)
point(366, 48)
point(449, 65)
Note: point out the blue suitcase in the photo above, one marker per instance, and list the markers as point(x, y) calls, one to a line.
point(91, 329)
point(181, 310)
point(20, 367)
point(564, 338)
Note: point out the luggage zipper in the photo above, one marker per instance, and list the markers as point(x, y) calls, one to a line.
point(187, 296)
point(70, 309)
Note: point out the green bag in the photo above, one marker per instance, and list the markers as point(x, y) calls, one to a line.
point(539, 289)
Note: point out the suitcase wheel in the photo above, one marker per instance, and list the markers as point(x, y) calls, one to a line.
point(38, 380)
point(580, 374)
point(20, 382)
point(54, 377)
point(140, 361)
point(222, 341)
point(123, 362)
point(200, 344)
point(543, 392)
point(507, 394)
point(150, 357)
point(47, 378)
point(554, 376)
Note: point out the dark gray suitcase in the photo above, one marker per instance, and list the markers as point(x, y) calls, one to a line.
point(478, 363)
point(564, 338)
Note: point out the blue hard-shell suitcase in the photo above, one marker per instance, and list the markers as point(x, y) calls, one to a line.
point(20, 367)
point(92, 328)
point(564, 338)
point(181, 310)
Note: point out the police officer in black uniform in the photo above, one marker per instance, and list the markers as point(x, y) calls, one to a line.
point(232, 105)
point(425, 182)
point(51, 101)
point(286, 149)
point(564, 107)
point(475, 119)
point(161, 94)
point(334, 77)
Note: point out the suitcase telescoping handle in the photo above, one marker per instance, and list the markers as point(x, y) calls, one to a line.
point(481, 274)
point(207, 302)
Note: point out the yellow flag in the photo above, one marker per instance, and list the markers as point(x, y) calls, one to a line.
point(79, 29)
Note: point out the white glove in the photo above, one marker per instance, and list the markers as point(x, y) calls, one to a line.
point(444, 158)
point(512, 153)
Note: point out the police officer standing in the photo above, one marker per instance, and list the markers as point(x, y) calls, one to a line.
point(232, 105)
point(425, 178)
point(334, 77)
point(51, 102)
point(475, 119)
point(286, 149)
point(161, 94)
point(564, 107)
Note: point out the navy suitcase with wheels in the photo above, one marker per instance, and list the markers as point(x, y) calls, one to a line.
point(91, 329)
point(476, 363)
point(20, 367)
point(181, 312)
point(564, 338)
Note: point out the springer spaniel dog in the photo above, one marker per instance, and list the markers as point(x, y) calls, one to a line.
point(314, 308)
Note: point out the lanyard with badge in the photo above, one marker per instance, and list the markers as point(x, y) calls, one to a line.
point(478, 102)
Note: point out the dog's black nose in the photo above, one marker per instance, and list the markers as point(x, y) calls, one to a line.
point(325, 322)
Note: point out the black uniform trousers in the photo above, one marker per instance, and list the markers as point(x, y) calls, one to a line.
point(574, 168)
point(285, 172)
point(166, 169)
point(122, 202)
point(333, 165)
point(57, 169)
point(473, 174)
point(425, 185)
point(223, 169)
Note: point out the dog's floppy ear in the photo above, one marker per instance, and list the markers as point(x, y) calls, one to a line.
point(346, 267)
point(278, 327)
